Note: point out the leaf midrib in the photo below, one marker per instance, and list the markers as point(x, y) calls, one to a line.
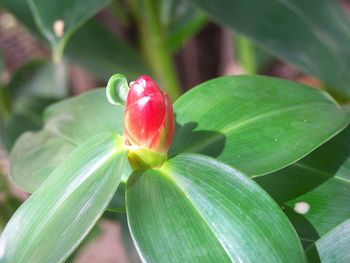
point(191, 204)
point(227, 130)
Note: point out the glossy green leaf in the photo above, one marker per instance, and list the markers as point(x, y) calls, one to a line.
point(54, 220)
point(67, 124)
point(322, 181)
point(256, 124)
point(196, 209)
point(312, 35)
point(333, 247)
point(57, 20)
point(314, 169)
point(329, 202)
point(103, 54)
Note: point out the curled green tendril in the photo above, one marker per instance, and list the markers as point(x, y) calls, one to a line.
point(117, 89)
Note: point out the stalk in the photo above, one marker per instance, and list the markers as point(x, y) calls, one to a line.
point(153, 44)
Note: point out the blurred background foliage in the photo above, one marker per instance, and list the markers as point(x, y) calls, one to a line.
point(50, 50)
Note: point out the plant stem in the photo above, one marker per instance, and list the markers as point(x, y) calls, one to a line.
point(153, 43)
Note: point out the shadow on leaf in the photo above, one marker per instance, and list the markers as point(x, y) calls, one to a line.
point(189, 140)
point(309, 172)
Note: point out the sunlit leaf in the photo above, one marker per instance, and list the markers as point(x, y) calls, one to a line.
point(333, 247)
point(54, 220)
point(256, 124)
point(196, 209)
point(67, 124)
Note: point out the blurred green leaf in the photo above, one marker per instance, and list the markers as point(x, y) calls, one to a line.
point(103, 54)
point(92, 46)
point(1, 66)
point(67, 124)
point(256, 124)
point(39, 78)
point(57, 20)
point(196, 209)
point(20, 9)
point(249, 56)
point(181, 20)
point(313, 35)
point(54, 220)
point(32, 88)
point(333, 247)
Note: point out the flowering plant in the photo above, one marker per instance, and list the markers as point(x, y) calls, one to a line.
point(199, 194)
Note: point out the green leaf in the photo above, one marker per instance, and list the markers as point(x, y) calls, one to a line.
point(196, 209)
point(54, 220)
point(117, 89)
point(58, 20)
point(329, 202)
point(103, 54)
point(92, 46)
point(315, 169)
point(20, 9)
point(67, 124)
point(295, 31)
point(334, 246)
point(39, 78)
point(181, 20)
point(256, 124)
point(322, 181)
point(32, 88)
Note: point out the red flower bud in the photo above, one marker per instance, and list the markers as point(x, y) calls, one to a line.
point(149, 116)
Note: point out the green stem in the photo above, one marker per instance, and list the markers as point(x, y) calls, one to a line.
point(4, 102)
point(246, 54)
point(57, 51)
point(157, 53)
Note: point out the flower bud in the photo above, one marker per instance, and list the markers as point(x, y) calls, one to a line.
point(149, 119)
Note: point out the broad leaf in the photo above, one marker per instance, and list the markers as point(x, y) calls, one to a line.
point(256, 124)
point(333, 247)
point(67, 125)
point(329, 202)
point(310, 172)
point(322, 181)
point(57, 20)
point(54, 220)
point(296, 31)
point(103, 54)
point(196, 209)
